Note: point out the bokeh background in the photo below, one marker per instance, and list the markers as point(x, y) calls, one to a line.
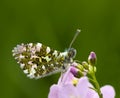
point(53, 23)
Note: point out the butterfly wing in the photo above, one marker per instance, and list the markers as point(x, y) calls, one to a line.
point(38, 60)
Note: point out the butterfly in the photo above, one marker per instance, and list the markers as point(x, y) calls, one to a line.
point(37, 60)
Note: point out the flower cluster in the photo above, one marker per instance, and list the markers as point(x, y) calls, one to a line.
point(79, 81)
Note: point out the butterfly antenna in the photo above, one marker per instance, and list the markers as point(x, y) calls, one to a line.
point(74, 38)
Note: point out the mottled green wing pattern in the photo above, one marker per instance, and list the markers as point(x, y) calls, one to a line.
point(38, 60)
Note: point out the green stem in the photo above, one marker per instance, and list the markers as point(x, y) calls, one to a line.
point(97, 86)
point(94, 81)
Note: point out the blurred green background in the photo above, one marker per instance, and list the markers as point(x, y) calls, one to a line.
point(53, 23)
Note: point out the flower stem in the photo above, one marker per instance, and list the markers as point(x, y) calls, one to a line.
point(93, 80)
point(97, 86)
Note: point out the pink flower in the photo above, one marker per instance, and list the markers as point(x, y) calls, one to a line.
point(70, 87)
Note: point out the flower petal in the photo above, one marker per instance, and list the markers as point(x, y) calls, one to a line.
point(54, 90)
point(66, 77)
point(108, 91)
point(92, 93)
point(83, 87)
point(64, 91)
point(68, 91)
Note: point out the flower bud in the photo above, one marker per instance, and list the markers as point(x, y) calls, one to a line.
point(92, 58)
point(85, 65)
point(76, 72)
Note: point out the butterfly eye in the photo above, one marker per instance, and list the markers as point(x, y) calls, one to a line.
point(71, 53)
